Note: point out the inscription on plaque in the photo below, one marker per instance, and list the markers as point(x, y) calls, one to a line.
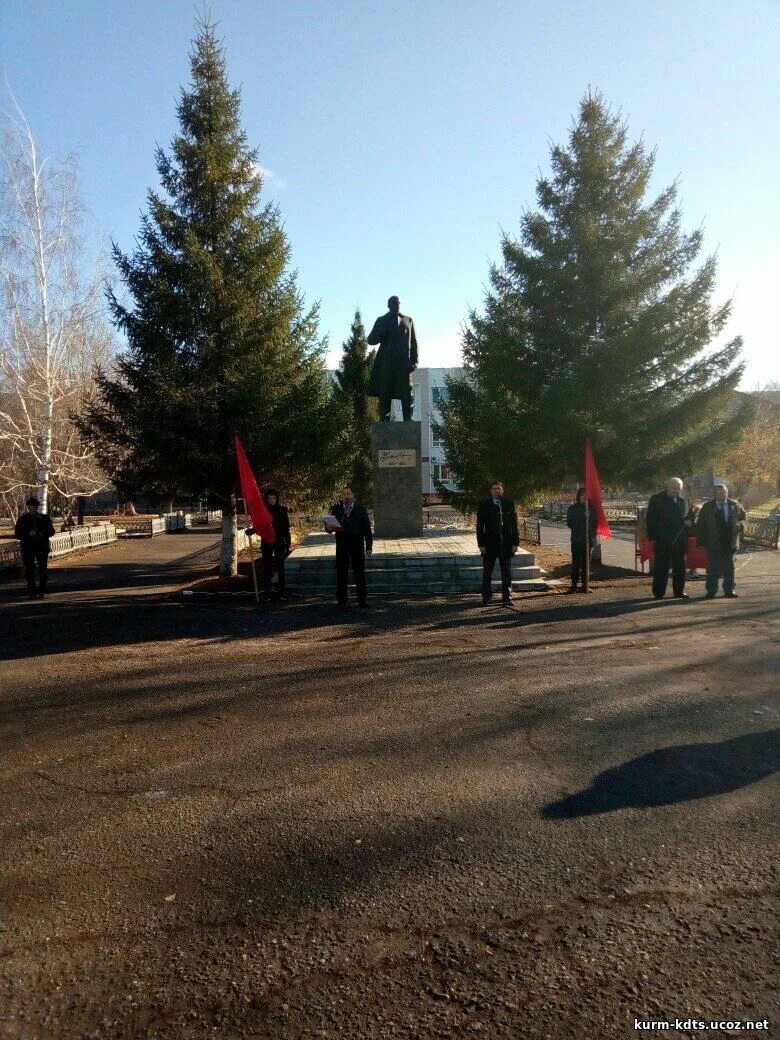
point(396, 458)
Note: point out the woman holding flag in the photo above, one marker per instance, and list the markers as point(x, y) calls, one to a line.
point(277, 551)
point(578, 517)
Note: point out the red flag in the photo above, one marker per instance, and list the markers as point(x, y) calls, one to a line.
point(593, 492)
point(262, 521)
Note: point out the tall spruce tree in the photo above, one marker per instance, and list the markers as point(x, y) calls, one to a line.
point(219, 339)
point(599, 322)
point(352, 388)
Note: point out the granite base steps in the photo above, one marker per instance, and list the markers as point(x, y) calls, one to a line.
point(438, 563)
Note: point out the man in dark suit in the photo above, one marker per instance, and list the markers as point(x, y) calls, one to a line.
point(667, 529)
point(34, 529)
point(498, 538)
point(354, 542)
point(395, 360)
point(717, 530)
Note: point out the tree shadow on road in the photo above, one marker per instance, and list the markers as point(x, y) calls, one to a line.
point(675, 774)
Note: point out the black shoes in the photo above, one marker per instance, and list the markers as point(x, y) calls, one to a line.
point(486, 602)
point(571, 589)
point(508, 602)
point(730, 595)
point(681, 595)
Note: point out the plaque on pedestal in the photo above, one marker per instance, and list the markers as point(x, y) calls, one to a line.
point(397, 467)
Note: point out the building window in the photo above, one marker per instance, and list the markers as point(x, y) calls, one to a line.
point(438, 396)
point(441, 473)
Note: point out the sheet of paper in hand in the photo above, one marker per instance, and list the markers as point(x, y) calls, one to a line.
point(331, 523)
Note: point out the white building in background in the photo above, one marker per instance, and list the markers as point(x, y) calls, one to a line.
point(429, 390)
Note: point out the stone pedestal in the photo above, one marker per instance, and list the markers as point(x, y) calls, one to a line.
point(397, 467)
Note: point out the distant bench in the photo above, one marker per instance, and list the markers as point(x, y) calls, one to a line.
point(148, 526)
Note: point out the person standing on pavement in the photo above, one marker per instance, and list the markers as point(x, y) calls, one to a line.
point(354, 542)
point(717, 530)
point(498, 538)
point(34, 529)
point(575, 520)
point(275, 552)
point(667, 529)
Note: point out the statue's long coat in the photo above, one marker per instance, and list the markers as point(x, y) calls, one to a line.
point(396, 357)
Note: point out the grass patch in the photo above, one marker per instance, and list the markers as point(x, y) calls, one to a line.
point(766, 508)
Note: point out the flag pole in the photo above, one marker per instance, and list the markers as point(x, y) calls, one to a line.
point(587, 523)
point(252, 559)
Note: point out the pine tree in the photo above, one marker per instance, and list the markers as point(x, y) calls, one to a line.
point(352, 389)
point(599, 323)
point(219, 339)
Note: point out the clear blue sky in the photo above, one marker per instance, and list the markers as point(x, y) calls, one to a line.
point(403, 136)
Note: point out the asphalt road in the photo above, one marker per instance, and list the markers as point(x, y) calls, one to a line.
point(425, 820)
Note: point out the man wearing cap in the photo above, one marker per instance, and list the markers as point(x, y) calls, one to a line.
point(717, 530)
point(34, 529)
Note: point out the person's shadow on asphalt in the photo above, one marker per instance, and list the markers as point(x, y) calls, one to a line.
point(675, 774)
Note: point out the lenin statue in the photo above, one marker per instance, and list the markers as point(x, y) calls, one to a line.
point(395, 360)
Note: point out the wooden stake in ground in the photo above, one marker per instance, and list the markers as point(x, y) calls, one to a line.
point(586, 582)
point(252, 558)
point(587, 544)
point(254, 570)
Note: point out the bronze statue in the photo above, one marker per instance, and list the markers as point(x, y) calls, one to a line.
point(395, 360)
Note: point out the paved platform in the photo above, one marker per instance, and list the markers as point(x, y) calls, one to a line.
point(438, 562)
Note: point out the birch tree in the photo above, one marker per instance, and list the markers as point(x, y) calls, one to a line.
point(52, 330)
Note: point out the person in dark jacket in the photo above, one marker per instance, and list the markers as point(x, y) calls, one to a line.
point(717, 530)
point(354, 542)
point(275, 552)
point(667, 529)
point(34, 529)
point(575, 520)
point(498, 538)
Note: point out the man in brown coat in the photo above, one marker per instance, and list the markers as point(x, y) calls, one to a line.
point(717, 530)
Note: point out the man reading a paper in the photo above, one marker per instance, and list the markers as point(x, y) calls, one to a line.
point(354, 541)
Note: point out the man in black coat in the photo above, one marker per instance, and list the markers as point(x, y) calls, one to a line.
point(667, 529)
point(34, 529)
point(354, 542)
point(498, 538)
point(575, 520)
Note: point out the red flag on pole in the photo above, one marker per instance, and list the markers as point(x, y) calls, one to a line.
point(262, 521)
point(593, 492)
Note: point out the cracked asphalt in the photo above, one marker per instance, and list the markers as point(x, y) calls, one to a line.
point(425, 820)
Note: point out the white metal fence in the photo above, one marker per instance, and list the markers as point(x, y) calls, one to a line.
point(62, 544)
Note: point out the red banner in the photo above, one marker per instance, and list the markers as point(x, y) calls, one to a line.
point(593, 492)
point(262, 521)
point(695, 557)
